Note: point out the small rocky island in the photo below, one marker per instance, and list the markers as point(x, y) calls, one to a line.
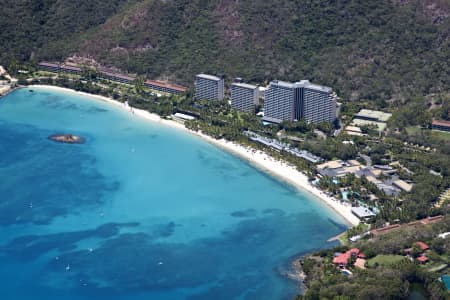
point(67, 138)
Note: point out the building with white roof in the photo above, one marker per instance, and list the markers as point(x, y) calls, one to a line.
point(362, 212)
point(286, 101)
point(244, 96)
point(209, 87)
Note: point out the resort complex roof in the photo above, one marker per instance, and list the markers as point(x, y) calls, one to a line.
point(422, 259)
point(49, 64)
point(210, 77)
point(245, 85)
point(332, 164)
point(343, 258)
point(423, 246)
point(167, 85)
point(118, 75)
point(362, 212)
point(387, 229)
point(441, 123)
point(360, 263)
point(280, 146)
point(373, 115)
point(363, 122)
point(403, 185)
point(184, 116)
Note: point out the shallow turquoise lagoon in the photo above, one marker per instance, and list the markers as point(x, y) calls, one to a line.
point(140, 211)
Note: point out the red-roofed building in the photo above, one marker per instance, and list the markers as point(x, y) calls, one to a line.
point(422, 259)
point(165, 87)
point(361, 255)
point(342, 259)
point(422, 245)
point(49, 66)
point(441, 125)
point(353, 251)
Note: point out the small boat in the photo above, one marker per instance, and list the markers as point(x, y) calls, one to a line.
point(68, 268)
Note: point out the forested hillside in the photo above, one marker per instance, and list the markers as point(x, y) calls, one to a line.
point(376, 50)
point(27, 26)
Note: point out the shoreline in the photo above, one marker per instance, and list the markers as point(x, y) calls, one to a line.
point(259, 159)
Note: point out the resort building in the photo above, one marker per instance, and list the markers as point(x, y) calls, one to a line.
point(280, 146)
point(367, 117)
point(181, 117)
point(113, 76)
point(403, 185)
point(165, 87)
point(244, 97)
point(343, 259)
point(71, 68)
point(319, 103)
point(279, 104)
point(285, 101)
point(209, 87)
point(441, 125)
point(49, 66)
point(57, 67)
point(362, 213)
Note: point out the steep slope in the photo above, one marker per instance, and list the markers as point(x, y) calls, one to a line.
point(378, 50)
point(27, 25)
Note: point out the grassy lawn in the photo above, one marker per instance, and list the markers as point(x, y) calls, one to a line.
point(385, 260)
point(438, 268)
point(411, 130)
point(441, 135)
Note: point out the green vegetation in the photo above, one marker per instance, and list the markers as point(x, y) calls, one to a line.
point(28, 26)
point(385, 260)
point(373, 50)
point(389, 274)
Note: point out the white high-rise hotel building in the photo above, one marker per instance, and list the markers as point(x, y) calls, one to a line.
point(244, 97)
point(209, 87)
point(287, 101)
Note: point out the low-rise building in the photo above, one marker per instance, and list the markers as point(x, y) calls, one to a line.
point(362, 212)
point(353, 130)
point(440, 125)
point(180, 117)
point(49, 66)
point(367, 117)
point(373, 115)
point(407, 187)
point(118, 77)
point(280, 146)
point(165, 87)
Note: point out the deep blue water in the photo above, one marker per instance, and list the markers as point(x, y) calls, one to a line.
point(140, 211)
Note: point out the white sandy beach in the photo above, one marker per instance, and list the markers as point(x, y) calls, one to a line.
point(263, 161)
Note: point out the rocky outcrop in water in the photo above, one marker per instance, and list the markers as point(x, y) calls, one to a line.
point(67, 138)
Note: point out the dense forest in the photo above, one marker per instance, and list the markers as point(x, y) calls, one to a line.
point(376, 50)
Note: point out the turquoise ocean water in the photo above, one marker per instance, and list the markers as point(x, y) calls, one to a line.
point(140, 211)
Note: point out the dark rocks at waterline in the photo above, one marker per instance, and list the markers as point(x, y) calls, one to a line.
point(67, 138)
